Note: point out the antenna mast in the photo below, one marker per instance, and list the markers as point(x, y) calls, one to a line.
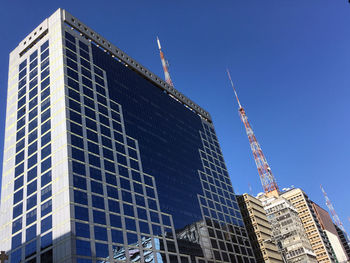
point(334, 214)
point(165, 64)
point(266, 177)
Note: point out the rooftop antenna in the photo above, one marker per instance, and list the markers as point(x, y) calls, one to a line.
point(234, 90)
point(335, 217)
point(165, 65)
point(267, 179)
point(250, 189)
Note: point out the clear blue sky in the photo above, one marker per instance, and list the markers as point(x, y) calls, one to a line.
point(289, 59)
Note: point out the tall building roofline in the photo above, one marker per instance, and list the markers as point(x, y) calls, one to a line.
point(287, 190)
point(132, 63)
point(114, 51)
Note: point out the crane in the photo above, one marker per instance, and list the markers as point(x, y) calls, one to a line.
point(267, 179)
point(165, 64)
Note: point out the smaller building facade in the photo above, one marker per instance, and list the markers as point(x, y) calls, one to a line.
point(287, 230)
point(318, 239)
point(332, 234)
point(259, 230)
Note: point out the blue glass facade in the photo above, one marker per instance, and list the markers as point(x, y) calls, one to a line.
point(167, 134)
point(31, 225)
point(149, 178)
point(103, 165)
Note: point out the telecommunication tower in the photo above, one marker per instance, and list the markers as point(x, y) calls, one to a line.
point(165, 64)
point(335, 217)
point(267, 179)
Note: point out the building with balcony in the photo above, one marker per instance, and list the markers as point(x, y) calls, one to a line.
point(259, 230)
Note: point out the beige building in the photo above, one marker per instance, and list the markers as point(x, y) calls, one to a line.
point(287, 230)
point(318, 239)
point(259, 230)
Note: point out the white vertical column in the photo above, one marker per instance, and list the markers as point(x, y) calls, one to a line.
point(60, 171)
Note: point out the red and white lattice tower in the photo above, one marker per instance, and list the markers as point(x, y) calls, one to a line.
point(267, 179)
point(165, 64)
point(333, 213)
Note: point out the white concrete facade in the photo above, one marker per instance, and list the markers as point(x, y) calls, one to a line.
point(337, 247)
point(50, 29)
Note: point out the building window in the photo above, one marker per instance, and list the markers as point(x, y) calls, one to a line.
point(45, 242)
point(83, 248)
point(82, 230)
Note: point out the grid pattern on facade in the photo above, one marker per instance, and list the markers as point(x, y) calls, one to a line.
point(32, 220)
point(128, 61)
point(224, 219)
point(228, 236)
point(130, 198)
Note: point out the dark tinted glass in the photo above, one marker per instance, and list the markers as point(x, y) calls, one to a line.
point(81, 213)
point(31, 188)
point(32, 174)
point(16, 225)
point(97, 201)
point(83, 248)
point(113, 206)
point(30, 249)
point(44, 46)
point(46, 208)
point(45, 165)
point(82, 230)
point(117, 236)
point(46, 193)
point(31, 201)
point(99, 217)
point(17, 210)
point(168, 137)
point(22, 65)
point(45, 242)
point(79, 182)
point(18, 182)
point(31, 233)
point(115, 220)
point(31, 217)
point(45, 179)
point(95, 173)
point(16, 241)
point(96, 187)
point(46, 224)
point(80, 197)
point(18, 196)
point(100, 233)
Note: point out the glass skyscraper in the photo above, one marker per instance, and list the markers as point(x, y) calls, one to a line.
point(105, 162)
